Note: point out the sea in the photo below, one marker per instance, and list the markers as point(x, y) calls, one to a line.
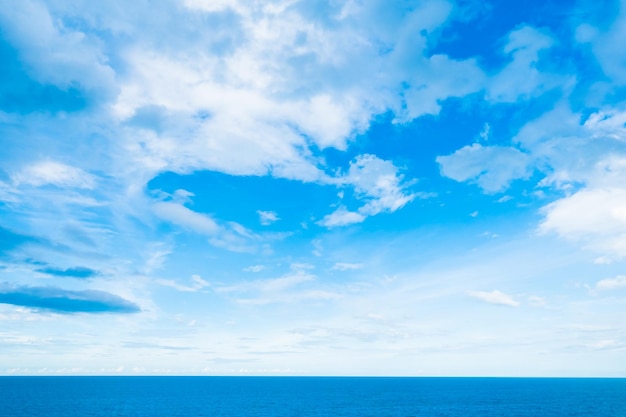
point(136, 396)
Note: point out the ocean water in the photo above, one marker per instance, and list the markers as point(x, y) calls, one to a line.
point(309, 396)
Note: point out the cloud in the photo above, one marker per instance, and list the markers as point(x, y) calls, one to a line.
point(186, 218)
point(376, 182)
point(494, 297)
point(341, 217)
point(521, 78)
point(65, 301)
point(197, 284)
point(288, 288)
point(75, 272)
point(607, 45)
point(254, 107)
point(54, 53)
point(10, 239)
point(346, 266)
point(211, 5)
point(596, 217)
point(254, 268)
point(612, 283)
point(54, 173)
point(572, 149)
point(267, 217)
point(270, 285)
point(491, 167)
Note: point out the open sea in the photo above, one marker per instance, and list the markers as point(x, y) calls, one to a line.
point(310, 396)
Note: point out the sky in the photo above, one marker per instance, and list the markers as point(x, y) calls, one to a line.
point(313, 187)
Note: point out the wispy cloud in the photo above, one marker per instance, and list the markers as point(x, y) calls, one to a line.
point(54, 173)
point(187, 218)
point(254, 268)
point(494, 297)
point(346, 266)
point(288, 288)
point(197, 284)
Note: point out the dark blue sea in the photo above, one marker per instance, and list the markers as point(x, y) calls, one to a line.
point(309, 396)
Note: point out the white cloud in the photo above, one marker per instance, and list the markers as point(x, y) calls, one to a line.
point(485, 133)
point(254, 268)
point(596, 217)
point(341, 217)
point(494, 297)
point(230, 235)
point(491, 167)
point(521, 79)
point(267, 217)
point(346, 266)
point(155, 259)
point(54, 173)
point(211, 5)
point(197, 284)
point(289, 288)
point(571, 153)
point(586, 157)
point(612, 283)
point(377, 183)
point(53, 52)
point(288, 70)
point(186, 218)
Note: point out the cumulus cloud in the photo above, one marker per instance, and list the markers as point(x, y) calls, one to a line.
point(591, 212)
point(521, 79)
point(376, 182)
point(612, 283)
point(494, 297)
point(341, 217)
point(267, 217)
point(65, 301)
point(491, 167)
point(591, 160)
point(257, 109)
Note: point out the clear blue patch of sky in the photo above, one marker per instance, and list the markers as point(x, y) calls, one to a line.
point(237, 198)
point(480, 28)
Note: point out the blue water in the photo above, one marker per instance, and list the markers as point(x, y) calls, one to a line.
point(309, 396)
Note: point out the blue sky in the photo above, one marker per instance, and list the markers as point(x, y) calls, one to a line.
point(339, 187)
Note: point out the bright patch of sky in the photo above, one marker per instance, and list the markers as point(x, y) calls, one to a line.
point(429, 187)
